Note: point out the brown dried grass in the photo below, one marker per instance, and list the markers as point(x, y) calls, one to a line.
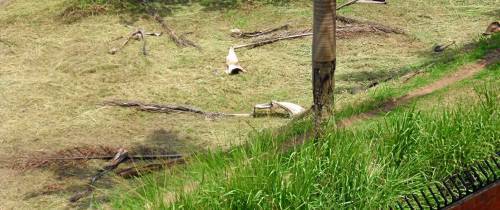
point(38, 160)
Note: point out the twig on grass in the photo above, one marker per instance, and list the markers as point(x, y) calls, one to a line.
point(342, 32)
point(272, 40)
point(138, 34)
point(120, 157)
point(347, 4)
point(180, 41)
point(361, 1)
point(239, 34)
point(131, 157)
point(290, 108)
point(163, 108)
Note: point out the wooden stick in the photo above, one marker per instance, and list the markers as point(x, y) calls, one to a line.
point(347, 4)
point(368, 25)
point(260, 33)
point(141, 32)
point(109, 157)
point(165, 108)
point(179, 41)
point(360, 1)
point(115, 50)
point(272, 40)
point(120, 157)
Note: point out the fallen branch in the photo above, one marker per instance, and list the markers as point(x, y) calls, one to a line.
point(180, 41)
point(138, 34)
point(361, 1)
point(120, 157)
point(347, 4)
point(377, 26)
point(342, 32)
point(290, 108)
point(272, 40)
point(239, 34)
point(141, 33)
point(131, 157)
point(163, 108)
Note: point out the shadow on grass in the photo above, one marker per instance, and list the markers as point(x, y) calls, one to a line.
point(158, 142)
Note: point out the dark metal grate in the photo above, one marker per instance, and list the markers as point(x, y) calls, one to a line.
point(470, 180)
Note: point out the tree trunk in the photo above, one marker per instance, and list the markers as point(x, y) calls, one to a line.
point(324, 59)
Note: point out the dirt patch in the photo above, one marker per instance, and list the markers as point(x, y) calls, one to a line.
point(465, 72)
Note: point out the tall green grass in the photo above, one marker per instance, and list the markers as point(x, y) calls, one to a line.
point(365, 167)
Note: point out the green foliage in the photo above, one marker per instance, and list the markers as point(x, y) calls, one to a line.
point(364, 168)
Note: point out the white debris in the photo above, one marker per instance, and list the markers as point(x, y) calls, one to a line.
point(236, 32)
point(291, 108)
point(233, 67)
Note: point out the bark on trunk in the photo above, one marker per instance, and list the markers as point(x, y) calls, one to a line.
point(324, 60)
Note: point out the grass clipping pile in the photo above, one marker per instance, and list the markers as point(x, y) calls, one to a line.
point(75, 156)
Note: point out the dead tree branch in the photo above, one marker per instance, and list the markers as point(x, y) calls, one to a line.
point(163, 108)
point(131, 157)
point(120, 157)
point(274, 39)
point(290, 108)
point(342, 32)
point(138, 34)
point(361, 1)
point(180, 41)
point(239, 34)
point(347, 4)
point(143, 38)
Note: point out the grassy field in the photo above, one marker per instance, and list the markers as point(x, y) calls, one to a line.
point(366, 166)
point(55, 72)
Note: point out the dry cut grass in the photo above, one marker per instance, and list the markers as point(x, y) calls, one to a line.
point(54, 75)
